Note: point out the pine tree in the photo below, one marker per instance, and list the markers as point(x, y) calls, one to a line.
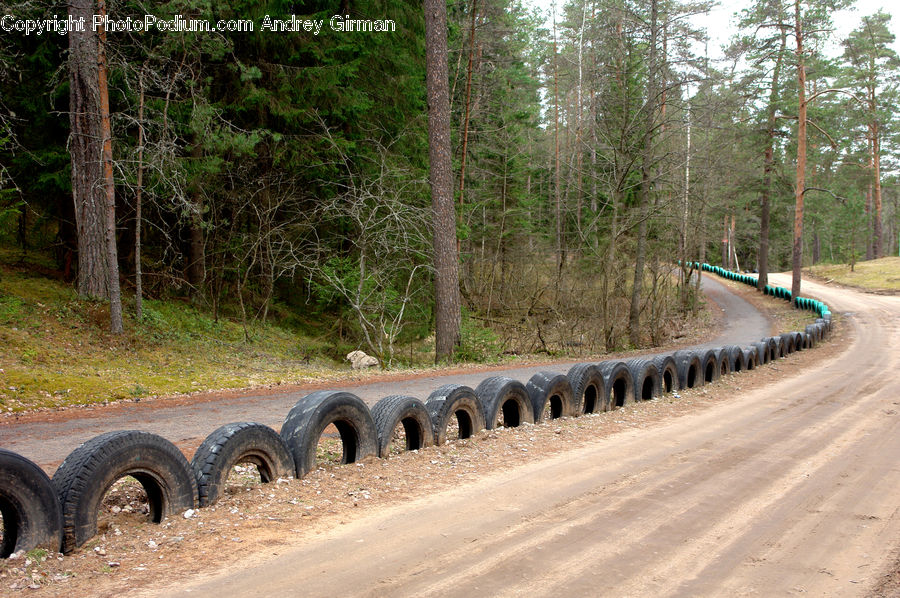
point(446, 262)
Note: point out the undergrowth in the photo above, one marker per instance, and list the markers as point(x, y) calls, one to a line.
point(56, 349)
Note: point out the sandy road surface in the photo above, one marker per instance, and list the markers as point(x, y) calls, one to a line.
point(47, 440)
point(790, 489)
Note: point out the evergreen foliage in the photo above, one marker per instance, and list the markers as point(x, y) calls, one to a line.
point(588, 154)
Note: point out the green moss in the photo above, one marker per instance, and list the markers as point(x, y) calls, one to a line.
point(56, 350)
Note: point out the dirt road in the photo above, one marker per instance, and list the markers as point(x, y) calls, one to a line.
point(46, 439)
point(789, 489)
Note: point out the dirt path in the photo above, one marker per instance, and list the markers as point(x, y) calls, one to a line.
point(46, 439)
point(791, 488)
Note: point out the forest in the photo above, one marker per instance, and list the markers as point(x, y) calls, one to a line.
point(295, 175)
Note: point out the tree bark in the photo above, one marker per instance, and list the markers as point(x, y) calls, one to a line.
point(607, 286)
point(85, 147)
point(800, 188)
point(726, 248)
point(870, 223)
point(195, 268)
point(560, 252)
point(817, 246)
point(768, 168)
point(465, 130)
point(446, 264)
point(878, 249)
point(634, 313)
point(685, 205)
point(138, 207)
point(112, 256)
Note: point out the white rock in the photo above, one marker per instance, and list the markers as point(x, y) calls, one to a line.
point(360, 360)
point(189, 513)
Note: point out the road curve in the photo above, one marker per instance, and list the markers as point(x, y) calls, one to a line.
point(792, 488)
point(47, 441)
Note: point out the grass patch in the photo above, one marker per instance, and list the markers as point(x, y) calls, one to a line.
point(874, 275)
point(56, 349)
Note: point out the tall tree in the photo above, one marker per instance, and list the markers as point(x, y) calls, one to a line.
point(815, 19)
point(872, 71)
point(800, 182)
point(446, 263)
point(647, 169)
point(765, 49)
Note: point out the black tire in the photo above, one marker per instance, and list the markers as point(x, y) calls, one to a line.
point(668, 373)
point(709, 365)
point(29, 507)
point(735, 356)
point(689, 369)
point(551, 396)
point(588, 388)
point(771, 348)
point(619, 383)
point(309, 417)
point(645, 379)
point(820, 329)
point(812, 338)
point(763, 355)
point(787, 343)
point(805, 342)
point(401, 410)
point(504, 396)
point(724, 359)
point(751, 358)
point(241, 442)
point(776, 346)
point(461, 402)
point(797, 340)
point(87, 473)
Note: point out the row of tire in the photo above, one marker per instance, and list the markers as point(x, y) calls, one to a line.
point(61, 513)
point(775, 291)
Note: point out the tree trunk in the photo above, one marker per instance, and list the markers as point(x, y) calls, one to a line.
point(800, 188)
point(112, 257)
point(726, 248)
point(195, 269)
point(607, 289)
point(878, 249)
point(634, 313)
point(85, 147)
point(560, 252)
point(685, 205)
point(138, 206)
point(817, 246)
point(446, 265)
point(768, 168)
point(465, 129)
point(701, 240)
point(870, 224)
